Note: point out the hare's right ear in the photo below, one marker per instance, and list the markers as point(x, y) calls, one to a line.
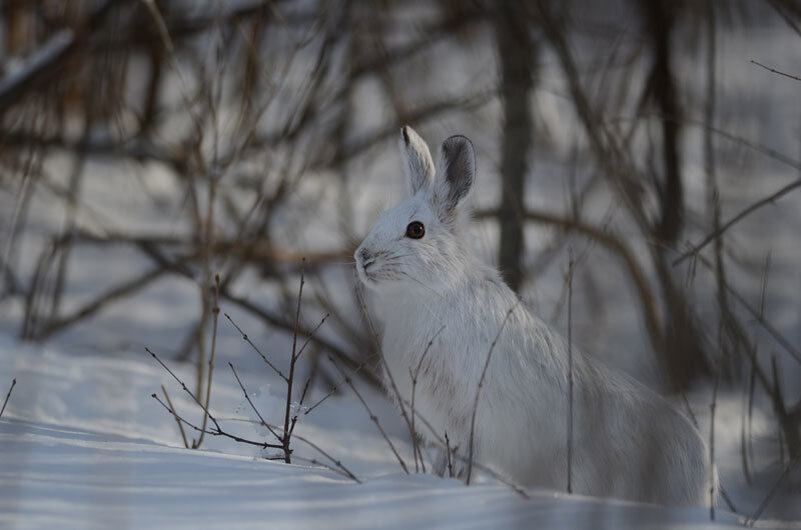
point(455, 175)
point(417, 162)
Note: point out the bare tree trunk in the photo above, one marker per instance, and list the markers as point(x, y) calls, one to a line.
point(659, 18)
point(516, 56)
point(684, 356)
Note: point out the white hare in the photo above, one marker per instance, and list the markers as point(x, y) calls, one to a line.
point(417, 263)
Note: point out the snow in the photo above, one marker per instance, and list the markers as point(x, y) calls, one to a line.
point(83, 445)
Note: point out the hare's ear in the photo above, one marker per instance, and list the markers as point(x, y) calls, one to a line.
point(455, 174)
point(417, 163)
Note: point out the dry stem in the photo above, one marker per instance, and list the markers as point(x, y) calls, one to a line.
point(373, 417)
point(291, 379)
point(178, 421)
point(478, 394)
point(252, 406)
point(570, 271)
point(256, 349)
point(5, 402)
point(418, 456)
point(215, 315)
point(769, 69)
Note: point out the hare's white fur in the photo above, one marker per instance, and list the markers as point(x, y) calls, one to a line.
point(628, 442)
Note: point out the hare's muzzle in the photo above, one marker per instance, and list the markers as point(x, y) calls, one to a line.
point(363, 262)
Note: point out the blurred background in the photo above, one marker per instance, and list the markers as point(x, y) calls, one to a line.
point(147, 146)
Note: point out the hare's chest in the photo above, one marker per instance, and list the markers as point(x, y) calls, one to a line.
point(432, 365)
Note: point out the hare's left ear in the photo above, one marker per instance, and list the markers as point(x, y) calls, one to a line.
point(455, 174)
point(417, 163)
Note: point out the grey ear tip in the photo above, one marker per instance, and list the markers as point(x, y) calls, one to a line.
point(405, 134)
point(457, 140)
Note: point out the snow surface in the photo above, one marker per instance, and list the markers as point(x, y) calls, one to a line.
point(82, 445)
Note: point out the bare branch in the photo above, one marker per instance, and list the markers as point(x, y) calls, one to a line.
point(373, 417)
point(255, 348)
point(216, 431)
point(764, 504)
point(334, 389)
point(570, 272)
point(177, 420)
point(292, 360)
point(215, 314)
point(5, 402)
point(252, 406)
point(784, 190)
point(311, 336)
point(769, 69)
point(478, 394)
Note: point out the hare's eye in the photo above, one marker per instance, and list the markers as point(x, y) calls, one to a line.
point(415, 230)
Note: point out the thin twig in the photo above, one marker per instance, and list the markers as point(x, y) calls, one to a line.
point(336, 462)
point(712, 407)
point(392, 386)
point(168, 44)
point(478, 394)
point(292, 359)
point(694, 249)
point(694, 421)
point(13, 384)
point(764, 504)
point(755, 313)
point(497, 476)
point(617, 247)
point(448, 455)
point(252, 406)
point(279, 322)
point(373, 417)
point(172, 409)
point(255, 348)
point(215, 315)
point(418, 455)
point(769, 69)
point(183, 386)
point(315, 462)
point(311, 336)
point(316, 448)
point(570, 270)
point(191, 394)
point(217, 431)
point(300, 406)
point(748, 423)
point(333, 389)
point(764, 286)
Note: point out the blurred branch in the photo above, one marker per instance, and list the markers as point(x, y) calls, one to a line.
point(281, 323)
point(769, 69)
point(121, 291)
point(617, 247)
point(693, 251)
point(255, 252)
point(789, 11)
point(45, 62)
point(682, 352)
point(38, 68)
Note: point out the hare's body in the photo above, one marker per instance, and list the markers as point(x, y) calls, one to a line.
point(628, 442)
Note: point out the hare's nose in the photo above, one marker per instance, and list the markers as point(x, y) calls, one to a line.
point(364, 255)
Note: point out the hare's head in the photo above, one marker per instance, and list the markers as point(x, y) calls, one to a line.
point(419, 241)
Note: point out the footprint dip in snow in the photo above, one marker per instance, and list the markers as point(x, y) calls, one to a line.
point(481, 367)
